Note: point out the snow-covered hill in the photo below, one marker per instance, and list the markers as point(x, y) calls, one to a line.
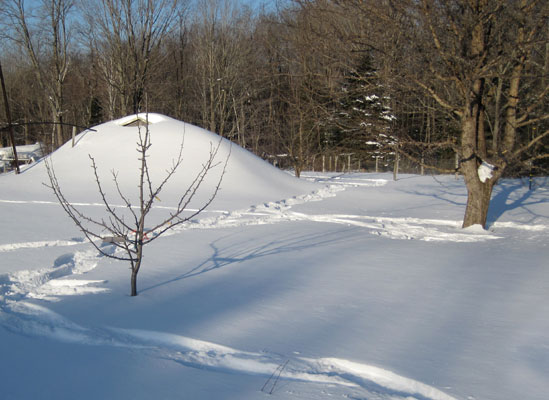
point(113, 145)
point(333, 286)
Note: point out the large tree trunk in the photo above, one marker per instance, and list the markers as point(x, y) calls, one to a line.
point(478, 201)
point(473, 139)
point(473, 151)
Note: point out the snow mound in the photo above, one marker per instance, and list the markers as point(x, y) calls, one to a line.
point(246, 179)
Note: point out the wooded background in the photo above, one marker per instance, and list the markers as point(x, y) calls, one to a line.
point(305, 84)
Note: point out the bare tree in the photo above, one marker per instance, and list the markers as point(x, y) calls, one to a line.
point(46, 47)
point(220, 45)
point(128, 230)
point(125, 36)
point(302, 73)
point(482, 64)
point(491, 46)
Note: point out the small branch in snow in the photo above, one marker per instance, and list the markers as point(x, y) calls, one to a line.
point(277, 372)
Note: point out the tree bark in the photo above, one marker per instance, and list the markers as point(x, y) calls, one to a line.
point(478, 193)
point(134, 284)
point(473, 140)
point(478, 202)
point(137, 265)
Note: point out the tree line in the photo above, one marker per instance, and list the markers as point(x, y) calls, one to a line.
point(310, 84)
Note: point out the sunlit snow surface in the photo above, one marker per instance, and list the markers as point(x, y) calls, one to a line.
point(345, 286)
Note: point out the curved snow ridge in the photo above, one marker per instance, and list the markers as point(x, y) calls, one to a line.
point(36, 320)
point(47, 283)
point(201, 354)
point(382, 377)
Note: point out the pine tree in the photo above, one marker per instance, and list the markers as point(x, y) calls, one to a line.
point(362, 116)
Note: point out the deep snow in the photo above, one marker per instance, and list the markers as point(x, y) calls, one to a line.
point(332, 286)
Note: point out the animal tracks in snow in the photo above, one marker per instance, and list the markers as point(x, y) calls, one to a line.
point(393, 228)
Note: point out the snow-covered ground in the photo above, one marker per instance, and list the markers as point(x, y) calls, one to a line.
point(333, 286)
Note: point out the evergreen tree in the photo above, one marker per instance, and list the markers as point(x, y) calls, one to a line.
point(363, 116)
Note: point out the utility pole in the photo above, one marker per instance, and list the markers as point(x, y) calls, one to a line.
point(8, 116)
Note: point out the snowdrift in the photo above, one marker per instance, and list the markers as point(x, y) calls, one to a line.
point(113, 145)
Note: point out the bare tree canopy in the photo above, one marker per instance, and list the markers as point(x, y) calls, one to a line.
point(43, 33)
point(382, 85)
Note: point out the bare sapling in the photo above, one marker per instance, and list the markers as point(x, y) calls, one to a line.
point(129, 229)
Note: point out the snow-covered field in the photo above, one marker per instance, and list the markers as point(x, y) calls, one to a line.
point(330, 287)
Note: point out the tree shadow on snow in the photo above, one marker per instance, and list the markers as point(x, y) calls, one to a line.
point(512, 195)
point(223, 256)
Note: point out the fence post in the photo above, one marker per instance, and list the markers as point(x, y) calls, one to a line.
point(73, 134)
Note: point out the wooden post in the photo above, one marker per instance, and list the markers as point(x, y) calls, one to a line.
point(377, 164)
point(73, 134)
point(10, 126)
point(323, 163)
